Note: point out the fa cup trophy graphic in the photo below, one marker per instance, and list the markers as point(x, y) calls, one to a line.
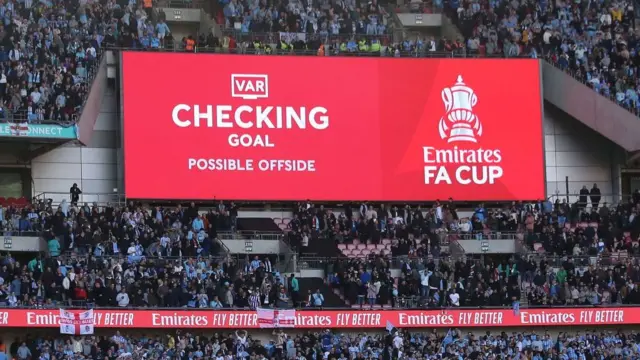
point(459, 101)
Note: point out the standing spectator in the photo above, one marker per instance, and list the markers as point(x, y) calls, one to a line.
point(584, 194)
point(294, 289)
point(75, 193)
point(318, 299)
point(595, 196)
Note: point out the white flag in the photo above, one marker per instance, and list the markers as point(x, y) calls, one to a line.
point(265, 318)
point(67, 320)
point(77, 324)
point(285, 318)
point(270, 318)
point(87, 322)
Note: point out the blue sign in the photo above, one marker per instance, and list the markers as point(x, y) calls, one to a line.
point(38, 131)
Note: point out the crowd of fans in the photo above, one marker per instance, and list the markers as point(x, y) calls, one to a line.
point(398, 344)
point(49, 51)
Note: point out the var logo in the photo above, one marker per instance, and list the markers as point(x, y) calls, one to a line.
point(249, 86)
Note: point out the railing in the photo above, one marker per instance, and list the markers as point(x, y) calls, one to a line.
point(609, 199)
point(102, 199)
point(8, 233)
point(484, 235)
point(274, 37)
point(250, 235)
point(80, 304)
point(587, 260)
point(185, 4)
point(242, 50)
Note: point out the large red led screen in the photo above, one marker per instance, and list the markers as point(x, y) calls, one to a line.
point(237, 127)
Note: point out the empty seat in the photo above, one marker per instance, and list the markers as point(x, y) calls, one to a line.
point(346, 252)
point(277, 220)
point(351, 246)
point(386, 252)
point(342, 246)
point(361, 246)
point(371, 247)
point(356, 242)
point(386, 241)
point(380, 247)
point(286, 221)
point(365, 252)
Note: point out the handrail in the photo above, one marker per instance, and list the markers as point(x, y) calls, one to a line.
point(423, 53)
point(250, 235)
point(101, 199)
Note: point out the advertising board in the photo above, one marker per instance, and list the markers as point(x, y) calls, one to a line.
point(310, 319)
point(331, 128)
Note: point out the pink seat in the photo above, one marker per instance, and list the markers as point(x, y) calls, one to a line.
point(388, 247)
point(342, 246)
point(361, 246)
point(418, 241)
point(583, 225)
point(277, 220)
point(366, 252)
point(356, 306)
point(380, 247)
point(351, 246)
point(356, 252)
point(371, 247)
point(386, 252)
point(593, 225)
point(356, 242)
point(282, 226)
point(386, 241)
point(286, 221)
point(346, 252)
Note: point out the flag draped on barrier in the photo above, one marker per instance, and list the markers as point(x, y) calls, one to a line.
point(274, 318)
point(77, 323)
point(19, 129)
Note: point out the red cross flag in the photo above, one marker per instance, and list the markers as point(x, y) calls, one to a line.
point(76, 323)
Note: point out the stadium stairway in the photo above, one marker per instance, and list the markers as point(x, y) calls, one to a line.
point(331, 298)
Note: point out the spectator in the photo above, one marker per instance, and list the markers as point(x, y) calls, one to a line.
point(75, 192)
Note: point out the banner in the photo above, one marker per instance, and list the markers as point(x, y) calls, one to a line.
point(40, 131)
point(275, 318)
point(323, 319)
point(76, 323)
point(290, 37)
point(415, 130)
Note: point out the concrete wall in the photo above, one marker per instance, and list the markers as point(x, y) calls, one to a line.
point(92, 167)
point(575, 151)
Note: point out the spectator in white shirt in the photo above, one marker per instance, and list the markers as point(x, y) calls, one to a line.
point(122, 298)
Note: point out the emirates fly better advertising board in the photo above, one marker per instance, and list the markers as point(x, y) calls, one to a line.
point(205, 126)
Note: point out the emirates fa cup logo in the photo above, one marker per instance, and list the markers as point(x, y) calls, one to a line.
point(460, 123)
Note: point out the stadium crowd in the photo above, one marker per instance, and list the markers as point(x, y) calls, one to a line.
point(133, 256)
point(398, 344)
point(49, 51)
